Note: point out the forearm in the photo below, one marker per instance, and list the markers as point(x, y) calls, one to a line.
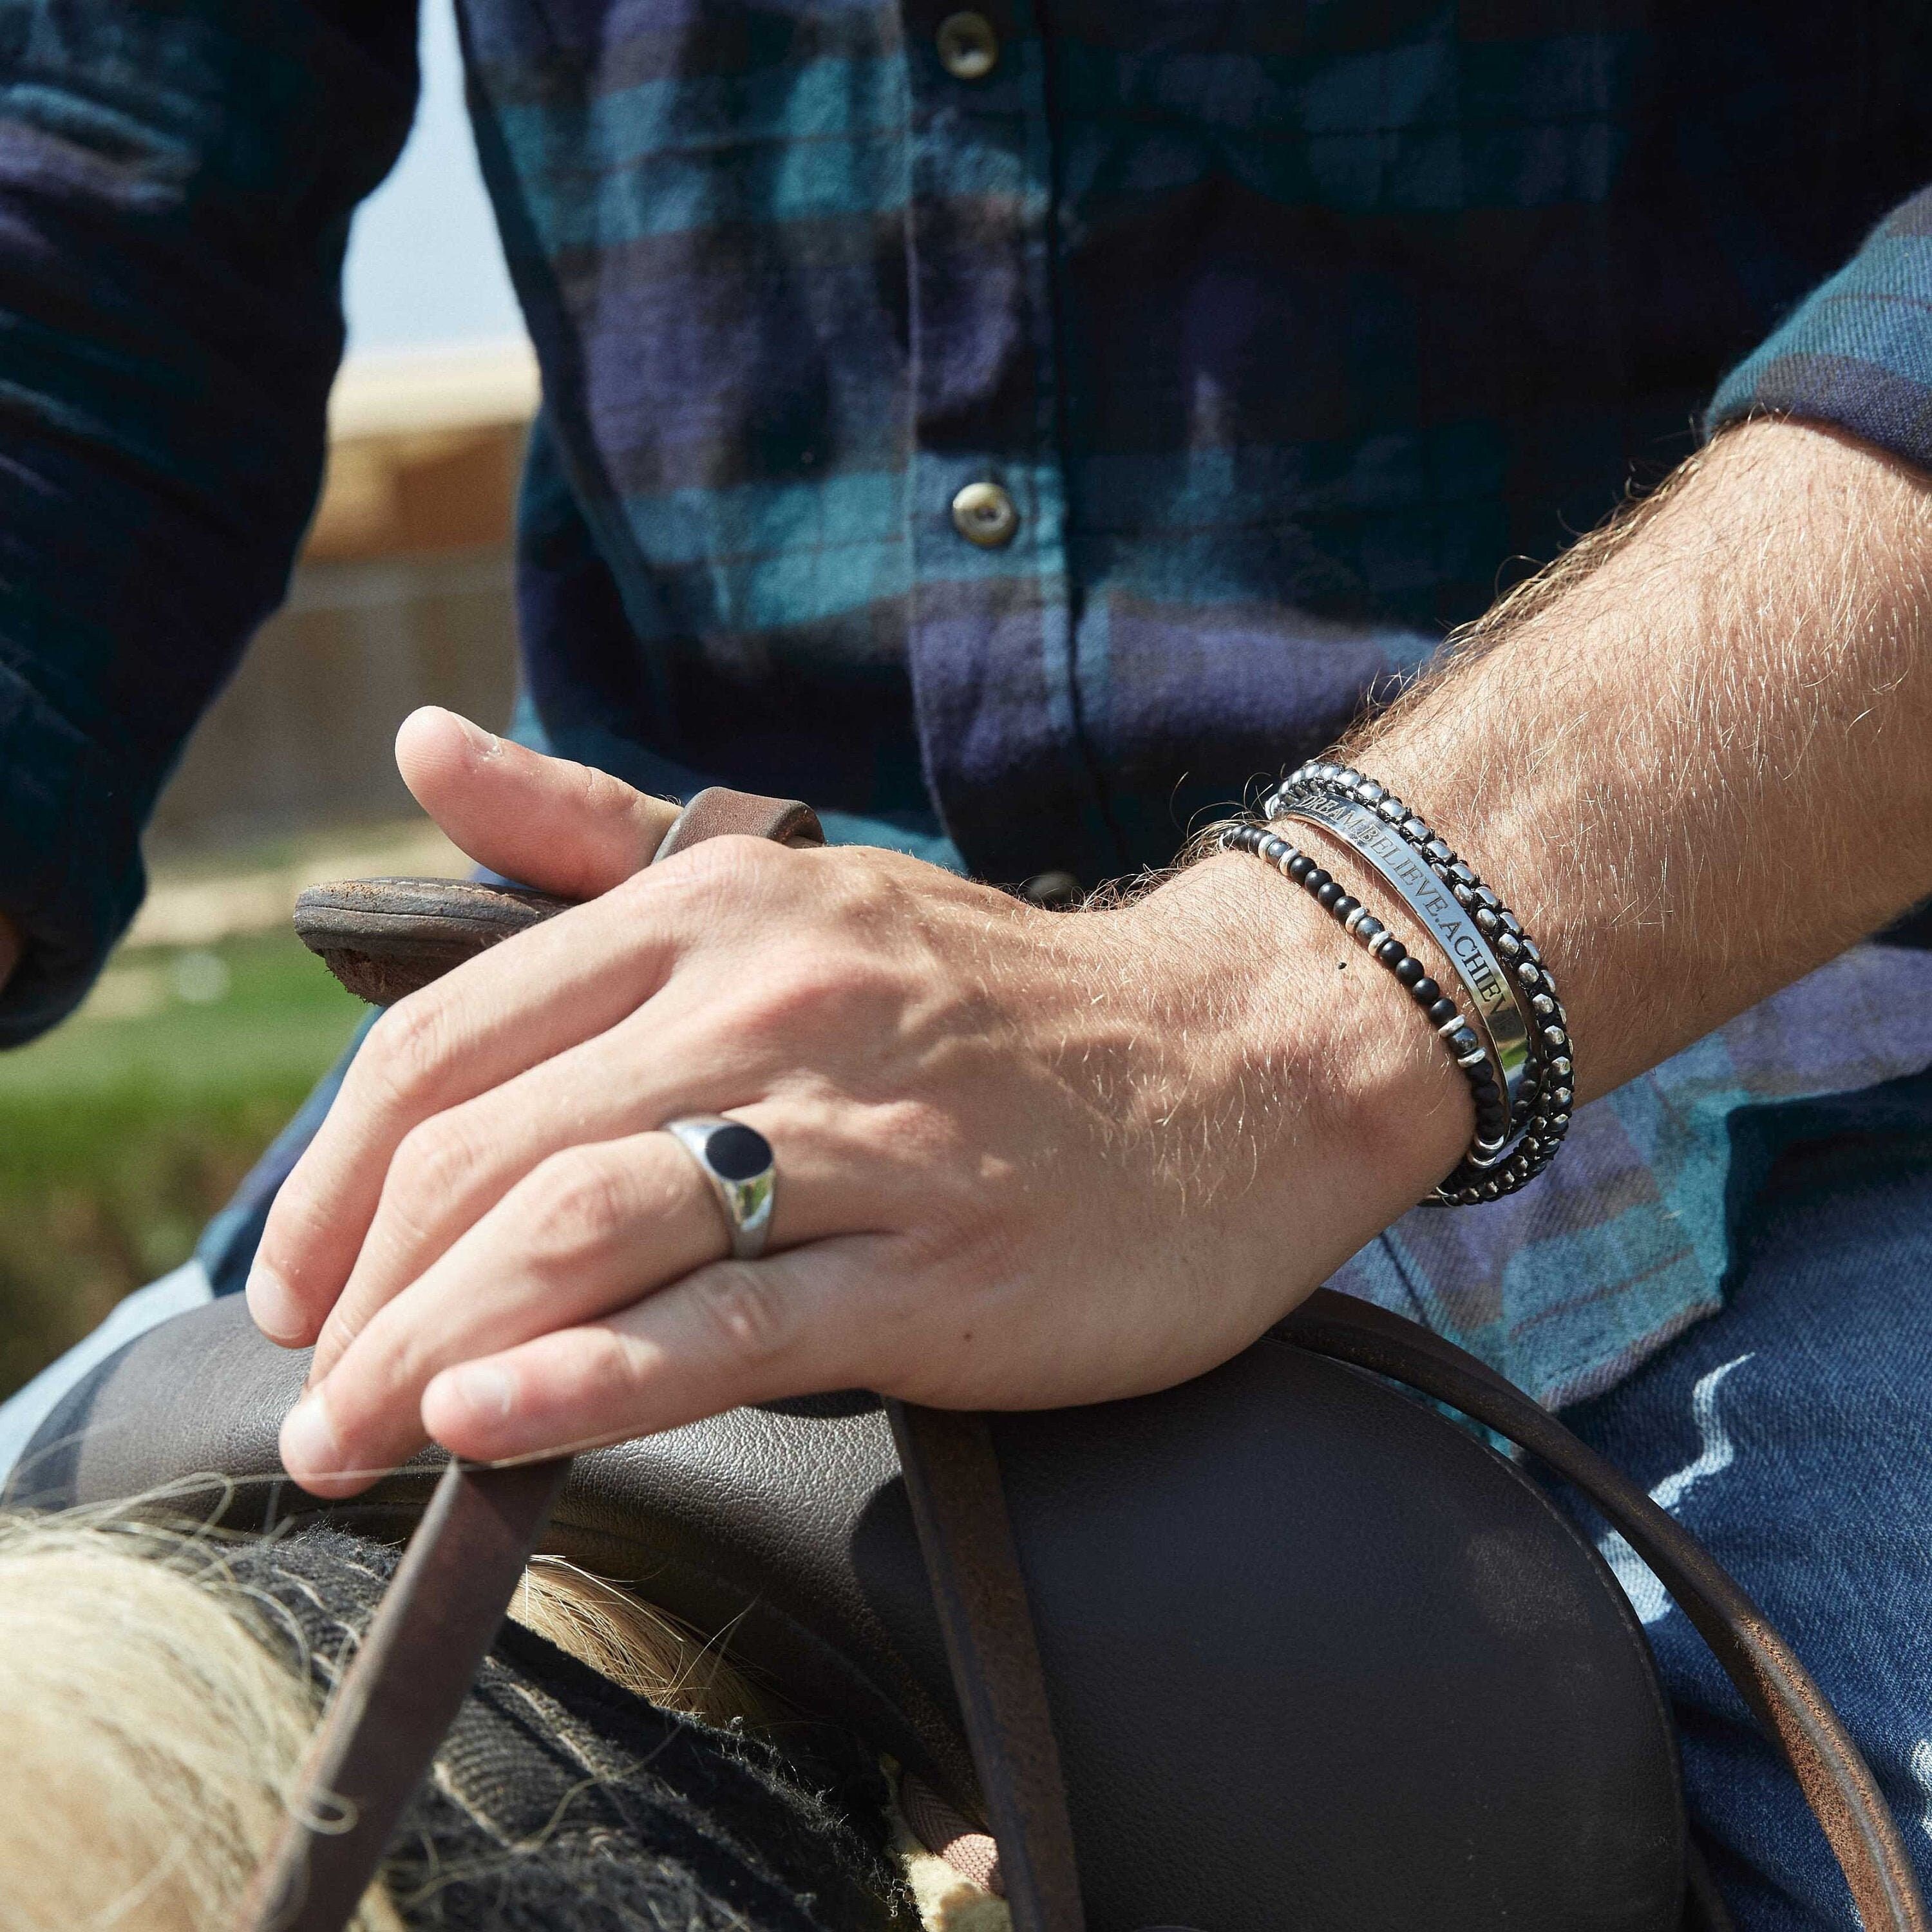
point(9, 949)
point(1695, 760)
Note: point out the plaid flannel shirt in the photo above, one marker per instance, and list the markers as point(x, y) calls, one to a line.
point(1290, 329)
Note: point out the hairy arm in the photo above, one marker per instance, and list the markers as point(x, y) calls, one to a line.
point(1694, 756)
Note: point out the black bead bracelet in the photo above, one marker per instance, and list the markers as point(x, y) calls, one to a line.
point(1532, 1118)
point(1465, 1048)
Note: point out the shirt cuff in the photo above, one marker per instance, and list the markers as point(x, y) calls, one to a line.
point(71, 876)
point(1857, 351)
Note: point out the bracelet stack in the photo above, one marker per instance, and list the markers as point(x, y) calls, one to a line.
point(1464, 1046)
point(1515, 1055)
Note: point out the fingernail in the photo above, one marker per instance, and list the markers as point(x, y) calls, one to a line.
point(309, 1444)
point(273, 1304)
point(489, 1393)
point(484, 744)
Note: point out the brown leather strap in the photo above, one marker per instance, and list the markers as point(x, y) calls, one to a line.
point(436, 1622)
point(384, 938)
point(718, 812)
point(1836, 1780)
point(959, 1508)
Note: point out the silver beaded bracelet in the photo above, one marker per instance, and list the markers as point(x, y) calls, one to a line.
point(1516, 1055)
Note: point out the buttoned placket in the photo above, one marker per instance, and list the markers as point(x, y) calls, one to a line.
point(990, 635)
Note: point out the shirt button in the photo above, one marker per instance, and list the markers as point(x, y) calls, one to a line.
point(969, 49)
point(983, 514)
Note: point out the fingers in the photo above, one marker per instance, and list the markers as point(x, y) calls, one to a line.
point(561, 827)
point(734, 1332)
point(453, 1168)
point(569, 980)
point(586, 1234)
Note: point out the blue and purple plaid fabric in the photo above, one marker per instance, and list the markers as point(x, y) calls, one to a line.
point(1292, 329)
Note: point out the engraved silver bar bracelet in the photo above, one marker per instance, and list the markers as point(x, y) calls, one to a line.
point(1406, 873)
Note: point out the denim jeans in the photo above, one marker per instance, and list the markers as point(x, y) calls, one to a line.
point(1792, 1434)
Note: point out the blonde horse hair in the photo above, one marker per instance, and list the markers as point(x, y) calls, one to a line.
point(150, 1723)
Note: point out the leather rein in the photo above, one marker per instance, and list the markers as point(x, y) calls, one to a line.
point(451, 1592)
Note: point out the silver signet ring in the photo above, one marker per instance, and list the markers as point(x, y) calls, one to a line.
point(737, 1161)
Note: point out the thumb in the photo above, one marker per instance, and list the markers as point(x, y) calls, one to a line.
point(561, 827)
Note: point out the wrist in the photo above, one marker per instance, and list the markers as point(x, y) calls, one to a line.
point(1339, 1084)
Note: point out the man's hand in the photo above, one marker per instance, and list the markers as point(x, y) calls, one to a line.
point(1024, 1158)
point(1029, 1158)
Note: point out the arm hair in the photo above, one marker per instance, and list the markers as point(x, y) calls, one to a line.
point(1694, 754)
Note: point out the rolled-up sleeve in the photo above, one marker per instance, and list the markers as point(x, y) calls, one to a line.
point(1857, 351)
point(176, 181)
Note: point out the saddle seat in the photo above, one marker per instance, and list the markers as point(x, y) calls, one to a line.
point(1317, 1657)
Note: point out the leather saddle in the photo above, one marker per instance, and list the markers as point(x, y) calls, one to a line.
point(1283, 1646)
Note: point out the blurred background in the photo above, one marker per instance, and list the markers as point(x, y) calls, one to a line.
point(122, 1132)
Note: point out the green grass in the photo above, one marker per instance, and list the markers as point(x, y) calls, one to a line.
point(122, 1132)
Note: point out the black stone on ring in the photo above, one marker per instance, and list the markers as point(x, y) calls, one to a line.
point(736, 1152)
point(738, 1161)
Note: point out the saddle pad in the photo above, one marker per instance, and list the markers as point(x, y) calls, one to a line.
point(1316, 1657)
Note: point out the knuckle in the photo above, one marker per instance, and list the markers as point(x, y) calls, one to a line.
point(602, 794)
point(607, 1372)
point(718, 888)
point(731, 866)
point(743, 1310)
point(579, 1202)
point(435, 1162)
point(914, 1134)
point(703, 892)
point(406, 1051)
point(820, 986)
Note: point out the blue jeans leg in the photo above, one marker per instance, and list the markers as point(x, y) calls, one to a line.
point(1792, 1434)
